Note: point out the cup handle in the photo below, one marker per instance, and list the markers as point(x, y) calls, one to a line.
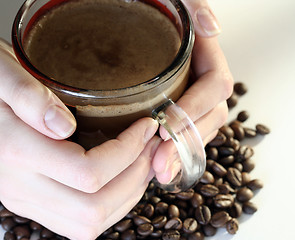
point(188, 142)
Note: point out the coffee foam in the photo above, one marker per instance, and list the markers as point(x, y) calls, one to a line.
point(173, 91)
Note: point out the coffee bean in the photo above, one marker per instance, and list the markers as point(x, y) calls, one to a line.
point(249, 132)
point(233, 143)
point(209, 190)
point(161, 208)
point(249, 207)
point(238, 166)
point(196, 236)
point(22, 232)
point(138, 220)
point(187, 195)
point(240, 88)
point(223, 200)
point(207, 178)
point(232, 101)
point(173, 211)
point(156, 233)
point(244, 194)
point(232, 226)
point(123, 225)
point(197, 200)
point(262, 129)
point(235, 210)
point(131, 214)
point(225, 188)
point(245, 178)
point(244, 153)
point(212, 153)
point(218, 140)
point(218, 181)
point(171, 235)
point(219, 219)
point(6, 213)
point(174, 223)
point(243, 116)
point(168, 197)
point(203, 214)
point(114, 235)
point(145, 229)
point(154, 200)
point(255, 184)
point(9, 236)
point(234, 176)
point(226, 160)
point(227, 131)
point(225, 151)
point(8, 223)
point(209, 230)
point(145, 197)
point(148, 210)
point(35, 226)
point(45, 233)
point(128, 235)
point(218, 169)
point(159, 221)
point(189, 225)
point(239, 131)
point(248, 165)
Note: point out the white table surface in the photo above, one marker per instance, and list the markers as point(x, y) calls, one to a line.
point(258, 40)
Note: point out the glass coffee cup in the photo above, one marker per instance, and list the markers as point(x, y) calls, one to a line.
point(103, 114)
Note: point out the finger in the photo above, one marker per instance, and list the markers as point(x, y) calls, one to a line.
point(67, 162)
point(213, 120)
point(166, 162)
point(170, 173)
point(205, 22)
point(31, 101)
point(214, 83)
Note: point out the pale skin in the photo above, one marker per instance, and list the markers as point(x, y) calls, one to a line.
point(75, 192)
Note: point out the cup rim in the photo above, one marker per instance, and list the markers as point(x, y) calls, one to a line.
point(183, 54)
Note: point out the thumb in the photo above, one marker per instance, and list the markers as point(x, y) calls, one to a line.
point(31, 101)
point(205, 22)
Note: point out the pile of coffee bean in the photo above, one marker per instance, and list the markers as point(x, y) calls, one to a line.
point(221, 196)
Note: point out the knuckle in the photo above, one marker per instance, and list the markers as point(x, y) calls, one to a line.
point(223, 114)
point(228, 83)
point(25, 92)
point(88, 181)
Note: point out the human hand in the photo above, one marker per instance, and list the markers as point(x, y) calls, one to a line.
point(73, 192)
point(205, 99)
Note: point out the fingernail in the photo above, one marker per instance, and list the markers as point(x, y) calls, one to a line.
point(150, 176)
point(174, 171)
point(208, 21)
point(59, 121)
point(151, 130)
